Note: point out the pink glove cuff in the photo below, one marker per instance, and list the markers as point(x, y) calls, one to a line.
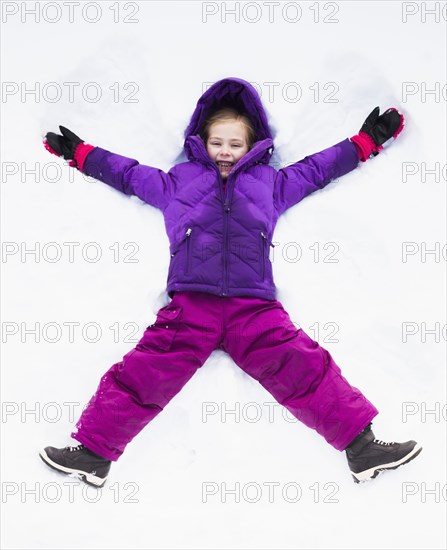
point(365, 145)
point(81, 152)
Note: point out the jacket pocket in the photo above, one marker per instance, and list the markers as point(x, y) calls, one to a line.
point(175, 248)
point(188, 251)
point(161, 334)
point(265, 249)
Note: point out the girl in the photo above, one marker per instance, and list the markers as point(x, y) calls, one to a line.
point(220, 210)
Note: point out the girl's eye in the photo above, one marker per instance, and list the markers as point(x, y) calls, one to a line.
point(217, 144)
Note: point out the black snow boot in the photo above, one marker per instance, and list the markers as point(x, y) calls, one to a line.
point(368, 457)
point(85, 464)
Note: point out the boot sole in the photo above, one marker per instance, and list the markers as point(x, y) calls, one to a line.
point(90, 479)
point(372, 473)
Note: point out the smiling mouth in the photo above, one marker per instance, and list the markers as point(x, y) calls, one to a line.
point(225, 164)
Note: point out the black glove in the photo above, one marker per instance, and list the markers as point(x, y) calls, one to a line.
point(377, 130)
point(382, 128)
point(62, 145)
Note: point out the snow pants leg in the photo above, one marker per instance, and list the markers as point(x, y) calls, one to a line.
point(300, 374)
point(133, 391)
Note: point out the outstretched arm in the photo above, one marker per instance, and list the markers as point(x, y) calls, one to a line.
point(127, 175)
point(298, 180)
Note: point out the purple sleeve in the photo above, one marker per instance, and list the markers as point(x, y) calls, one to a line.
point(314, 172)
point(127, 175)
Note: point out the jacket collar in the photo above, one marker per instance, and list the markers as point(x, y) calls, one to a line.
point(260, 152)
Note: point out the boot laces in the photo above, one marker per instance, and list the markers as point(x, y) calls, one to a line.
point(77, 448)
point(380, 442)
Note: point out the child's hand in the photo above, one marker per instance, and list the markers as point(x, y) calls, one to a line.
point(63, 145)
point(69, 146)
point(378, 131)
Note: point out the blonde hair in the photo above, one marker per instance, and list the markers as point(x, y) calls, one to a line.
point(225, 114)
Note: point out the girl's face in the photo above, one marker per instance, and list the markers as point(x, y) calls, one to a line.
point(226, 144)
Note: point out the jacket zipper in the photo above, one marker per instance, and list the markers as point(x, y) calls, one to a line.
point(226, 255)
point(226, 207)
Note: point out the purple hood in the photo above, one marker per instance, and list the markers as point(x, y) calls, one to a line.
point(231, 92)
point(220, 239)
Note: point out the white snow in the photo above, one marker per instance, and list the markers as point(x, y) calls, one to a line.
point(360, 305)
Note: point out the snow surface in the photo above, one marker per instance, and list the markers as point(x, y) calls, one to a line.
point(368, 294)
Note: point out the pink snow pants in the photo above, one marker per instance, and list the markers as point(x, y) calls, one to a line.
point(260, 338)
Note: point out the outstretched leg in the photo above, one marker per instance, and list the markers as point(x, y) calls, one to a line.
point(133, 391)
point(300, 374)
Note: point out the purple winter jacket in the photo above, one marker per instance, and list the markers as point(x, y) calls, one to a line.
point(220, 239)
